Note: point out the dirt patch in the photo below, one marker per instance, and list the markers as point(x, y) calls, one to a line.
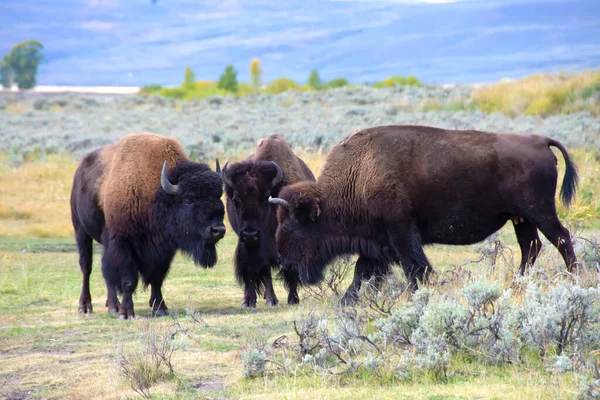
point(209, 384)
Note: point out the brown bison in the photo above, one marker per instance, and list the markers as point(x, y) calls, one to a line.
point(142, 216)
point(248, 186)
point(385, 192)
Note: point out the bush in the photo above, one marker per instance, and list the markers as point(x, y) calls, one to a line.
point(337, 82)
point(254, 363)
point(151, 362)
point(150, 89)
point(398, 81)
point(281, 85)
point(431, 331)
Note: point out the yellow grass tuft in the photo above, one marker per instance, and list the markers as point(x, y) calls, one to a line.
point(541, 94)
point(34, 198)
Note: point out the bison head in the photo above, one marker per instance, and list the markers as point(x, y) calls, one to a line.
point(190, 211)
point(300, 238)
point(248, 186)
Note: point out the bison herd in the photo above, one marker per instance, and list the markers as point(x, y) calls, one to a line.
point(383, 194)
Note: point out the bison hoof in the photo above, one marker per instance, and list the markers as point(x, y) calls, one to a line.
point(272, 303)
point(293, 301)
point(245, 304)
point(348, 300)
point(126, 313)
point(160, 313)
point(85, 308)
point(112, 311)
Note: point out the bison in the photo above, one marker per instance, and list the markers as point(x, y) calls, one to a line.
point(142, 216)
point(384, 192)
point(248, 186)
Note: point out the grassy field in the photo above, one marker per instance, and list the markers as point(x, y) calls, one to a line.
point(48, 351)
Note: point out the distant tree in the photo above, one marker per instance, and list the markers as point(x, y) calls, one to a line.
point(255, 72)
point(5, 74)
point(22, 62)
point(228, 81)
point(190, 78)
point(314, 81)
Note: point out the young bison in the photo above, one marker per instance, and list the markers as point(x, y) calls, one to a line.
point(248, 186)
point(142, 216)
point(385, 192)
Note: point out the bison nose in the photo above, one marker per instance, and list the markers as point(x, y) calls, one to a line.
point(217, 232)
point(249, 234)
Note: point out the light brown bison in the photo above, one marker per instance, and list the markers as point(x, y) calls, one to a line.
point(385, 192)
point(142, 216)
point(248, 185)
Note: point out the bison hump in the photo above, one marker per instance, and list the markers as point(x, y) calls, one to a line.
point(132, 168)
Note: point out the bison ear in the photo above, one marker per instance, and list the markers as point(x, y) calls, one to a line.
point(307, 209)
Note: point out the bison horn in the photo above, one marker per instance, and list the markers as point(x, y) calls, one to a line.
point(218, 167)
point(164, 182)
point(279, 177)
point(277, 200)
point(224, 176)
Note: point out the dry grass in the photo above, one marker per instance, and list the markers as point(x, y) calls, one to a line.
point(542, 94)
point(34, 197)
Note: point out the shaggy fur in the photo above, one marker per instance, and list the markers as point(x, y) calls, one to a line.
point(385, 192)
point(249, 211)
point(117, 200)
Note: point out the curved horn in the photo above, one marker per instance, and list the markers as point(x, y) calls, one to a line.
point(279, 177)
point(218, 167)
point(164, 182)
point(277, 200)
point(224, 176)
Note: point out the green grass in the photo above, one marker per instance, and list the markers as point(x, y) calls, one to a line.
point(49, 349)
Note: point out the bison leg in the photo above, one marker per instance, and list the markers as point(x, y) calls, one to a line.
point(270, 297)
point(365, 269)
point(249, 293)
point(529, 242)
point(120, 270)
point(407, 247)
point(290, 281)
point(159, 307)
point(560, 237)
point(84, 246)
point(112, 301)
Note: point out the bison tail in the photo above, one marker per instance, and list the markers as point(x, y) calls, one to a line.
point(569, 185)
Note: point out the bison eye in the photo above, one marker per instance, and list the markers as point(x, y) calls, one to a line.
point(188, 200)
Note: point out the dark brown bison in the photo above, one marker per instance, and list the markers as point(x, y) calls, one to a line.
point(248, 186)
point(142, 216)
point(385, 192)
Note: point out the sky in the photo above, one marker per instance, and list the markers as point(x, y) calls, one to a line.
point(139, 42)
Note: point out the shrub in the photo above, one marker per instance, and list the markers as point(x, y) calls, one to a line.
point(337, 82)
point(150, 89)
point(281, 85)
point(151, 362)
point(398, 81)
point(254, 363)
